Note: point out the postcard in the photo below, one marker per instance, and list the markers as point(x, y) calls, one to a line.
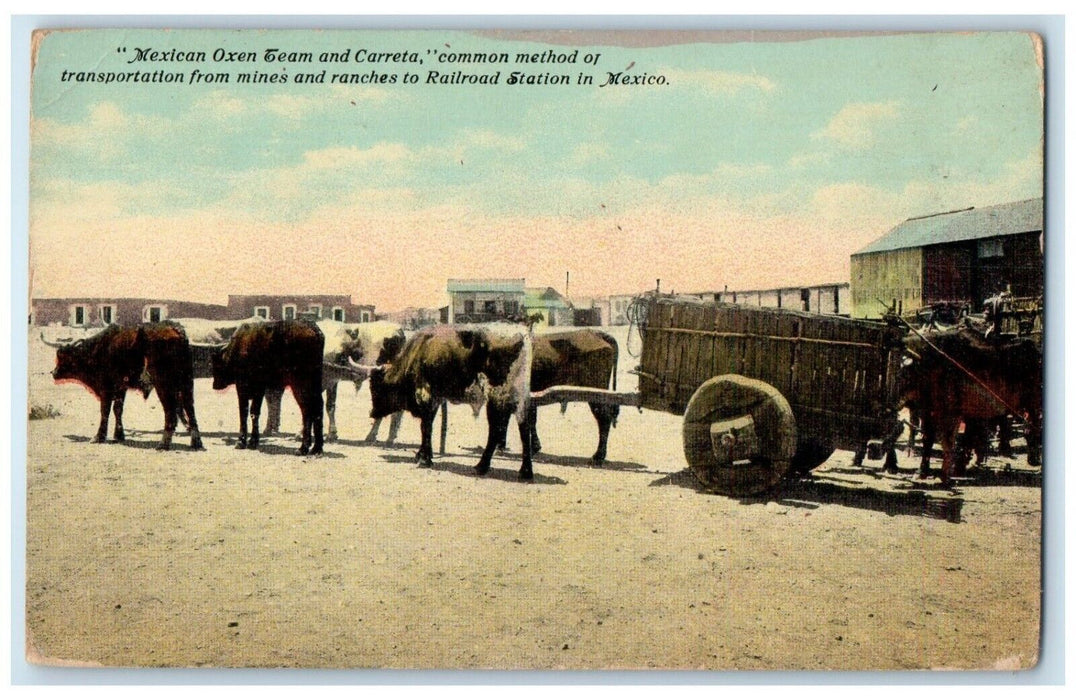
point(664, 324)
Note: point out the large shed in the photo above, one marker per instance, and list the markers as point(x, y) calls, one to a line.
point(964, 256)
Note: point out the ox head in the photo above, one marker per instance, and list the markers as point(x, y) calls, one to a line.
point(72, 360)
point(223, 374)
point(386, 398)
point(502, 354)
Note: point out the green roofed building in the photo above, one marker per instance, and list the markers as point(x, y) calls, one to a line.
point(554, 307)
point(483, 300)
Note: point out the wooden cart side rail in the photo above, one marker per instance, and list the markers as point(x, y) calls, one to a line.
point(734, 334)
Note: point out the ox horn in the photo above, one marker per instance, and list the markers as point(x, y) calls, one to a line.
point(50, 343)
point(209, 345)
point(913, 354)
point(367, 370)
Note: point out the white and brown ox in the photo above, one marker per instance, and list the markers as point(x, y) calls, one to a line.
point(581, 358)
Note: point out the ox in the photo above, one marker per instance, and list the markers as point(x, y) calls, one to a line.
point(274, 355)
point(371, 343)
point(115, 359)
point(959, 375)
point(584, 358)
point(443, 363)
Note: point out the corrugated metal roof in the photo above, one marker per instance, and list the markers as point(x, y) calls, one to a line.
point(964, 225)
point(486, 285)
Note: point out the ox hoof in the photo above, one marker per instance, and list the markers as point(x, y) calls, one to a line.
point(526, 475)
point(197, 445)
point(241, 445)
point(163, 448)
point(481, 469)
point(98, 439)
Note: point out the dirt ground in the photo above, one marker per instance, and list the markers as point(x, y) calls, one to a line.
point(360, 559)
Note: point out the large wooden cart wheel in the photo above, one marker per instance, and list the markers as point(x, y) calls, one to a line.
point(739, 435)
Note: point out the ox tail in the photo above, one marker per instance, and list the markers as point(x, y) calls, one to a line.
point(616, 357)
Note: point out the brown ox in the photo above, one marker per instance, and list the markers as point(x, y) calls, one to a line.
point(114, 360)
point(274, 355)
point(960, 375)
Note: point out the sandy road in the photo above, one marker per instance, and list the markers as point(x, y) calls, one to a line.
point(359, 559)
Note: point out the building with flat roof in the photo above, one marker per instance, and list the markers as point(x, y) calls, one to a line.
point(483, 300)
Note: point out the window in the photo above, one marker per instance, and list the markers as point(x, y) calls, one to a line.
point(78, 315)
point(468, 306)
point(154, 314)
point(365, 317)
point(490, 307)
point(511, 308)
point(108, 313)
point(993, 248)
point(315, 310)
point(261, 311)
point(288, 312)
point(338, 314)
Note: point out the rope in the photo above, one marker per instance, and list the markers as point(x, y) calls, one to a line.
point(637, 316)
point(965, 370)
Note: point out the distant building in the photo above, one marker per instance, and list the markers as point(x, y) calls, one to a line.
point(958, 256)
point(282, 307)
point(820, 298)
point(412, 317)
point(590, 311)
point(618, 305)
point(100, 311)
point(481, 300)
point(553, 306)
point(86, 312)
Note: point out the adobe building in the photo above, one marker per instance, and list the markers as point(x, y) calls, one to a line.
point(100, 311)
point(282, 307)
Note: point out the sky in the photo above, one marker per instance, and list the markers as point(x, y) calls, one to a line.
point(763, 160)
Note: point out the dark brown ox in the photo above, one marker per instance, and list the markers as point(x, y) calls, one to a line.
point(959, 375)
point(442, 363)
point(584, 358)
point(114, 360)
point(274, 355)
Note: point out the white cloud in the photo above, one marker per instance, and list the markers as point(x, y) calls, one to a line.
point(340, 157)
point(854, 126)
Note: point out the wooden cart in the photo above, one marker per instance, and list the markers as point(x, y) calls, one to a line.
point(764, 392)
